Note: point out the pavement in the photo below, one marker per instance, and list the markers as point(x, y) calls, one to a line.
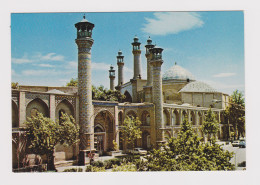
point(239, 155)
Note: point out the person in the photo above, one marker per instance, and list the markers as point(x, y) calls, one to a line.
point(91, 157)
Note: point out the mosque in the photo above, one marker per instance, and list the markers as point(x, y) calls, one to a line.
point(160, 102)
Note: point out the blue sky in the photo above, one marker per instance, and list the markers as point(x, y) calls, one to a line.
point(208, 44)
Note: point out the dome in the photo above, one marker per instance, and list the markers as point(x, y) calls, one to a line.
point(197, 87)
point(177, 72)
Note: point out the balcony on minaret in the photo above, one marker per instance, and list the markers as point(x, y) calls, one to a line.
point(149, 46)
point(156, 53)
point(136, 44)
point(111, 72)
point(84, 28)
point(120, 57)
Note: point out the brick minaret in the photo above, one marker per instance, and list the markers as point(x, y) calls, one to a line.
point(148, 57)
point(112, 78)
point(84, 41)
point(137, 58)
point(148, 87)
point(156, 62)
point(120, 64)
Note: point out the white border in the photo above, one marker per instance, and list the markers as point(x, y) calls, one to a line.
point(252, 60)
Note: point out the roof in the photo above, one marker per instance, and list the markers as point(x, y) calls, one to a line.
point(177, 72)
point(197, 86)
point(55, 91)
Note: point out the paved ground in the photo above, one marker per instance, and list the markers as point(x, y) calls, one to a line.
point(239, 156)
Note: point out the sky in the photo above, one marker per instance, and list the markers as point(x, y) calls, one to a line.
point(208, 44)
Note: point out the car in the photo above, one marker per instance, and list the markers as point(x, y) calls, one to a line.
point(242, 144)
point(139, 151)
point(235, 143)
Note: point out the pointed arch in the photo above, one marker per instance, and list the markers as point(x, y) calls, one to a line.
point(146, 139)
point(145, 118)
point(175, 118)
point(66, 107)
point(131, 113)
point(166, 117)
point(193, 118)
point(37, 105)
point(120, 118)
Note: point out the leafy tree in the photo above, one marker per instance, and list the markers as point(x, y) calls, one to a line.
point(44, 134)
point(73, 83)
point(131, 130)
point(235, 112)
point(210, 126)
point(187, 153)
point(14, 85)
point(101, 93)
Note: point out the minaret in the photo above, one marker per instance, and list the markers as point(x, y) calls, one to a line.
point(148, 57)
point(112, 78)
point(137, 58)
point(120, 64)
point(156, 62)
point(84, 41)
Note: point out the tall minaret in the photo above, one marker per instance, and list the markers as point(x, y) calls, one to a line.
point(84, 41)
point(137, 58)
point(156, 62)
point(148, 57)
point(112, 78)
point(120, 64)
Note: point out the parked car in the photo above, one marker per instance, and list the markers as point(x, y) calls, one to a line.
point(139, 151)
point(235, 143)
point(242, 144)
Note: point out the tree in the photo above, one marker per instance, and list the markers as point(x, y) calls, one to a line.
point(44, 134)
point(235, 112)
point(131, 130)
point(14, 85)
point(210, 126)
point(187, 153)
point(101, 93)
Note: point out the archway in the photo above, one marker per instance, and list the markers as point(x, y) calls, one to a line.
point(37, 105)
point(175, 118)
point(120, 118)
point(167, 135)
point(128, 97)
point(200, 118)
point(104, 131)
point(132, 114)
point(64, 107)
point(184, 115)
point(193, 118)
point(15, 120)
point(166, 118)
point(146, 141)
point(145, 118)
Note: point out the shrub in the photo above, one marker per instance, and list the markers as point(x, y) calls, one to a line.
point(242, 164)
point(97, 163)
point(94, 169)
point(126, 167)
point(73, 170)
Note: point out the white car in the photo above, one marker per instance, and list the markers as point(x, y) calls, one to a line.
point(235, 143)
point(139, 151)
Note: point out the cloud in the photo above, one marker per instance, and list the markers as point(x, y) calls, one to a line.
point(222, 75)
point(38, 72)
point(50, 57)
point(45, 65)
point(172, 23)
point(21, 60)
point(14, 73)
point(37, 58)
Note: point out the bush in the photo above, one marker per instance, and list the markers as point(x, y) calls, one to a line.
point(73, 170)
point(94, 169)
point(126, 167)
point(242, 164)
point(97, 163)
point(109, 163)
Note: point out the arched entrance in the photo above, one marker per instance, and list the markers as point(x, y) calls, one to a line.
point(15, 121)
point(99, 139)
point(37, 105)
point(104, 132)
point(146, 141)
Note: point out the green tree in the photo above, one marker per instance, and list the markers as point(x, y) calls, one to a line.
point(187, 153)
point(101, 93)
point(73, 83)
point(210, 126)
point(235, 112)
point(14, 85)
point(131, 131)
point(44, 134)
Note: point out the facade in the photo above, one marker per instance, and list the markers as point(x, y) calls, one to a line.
point(161, 102)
